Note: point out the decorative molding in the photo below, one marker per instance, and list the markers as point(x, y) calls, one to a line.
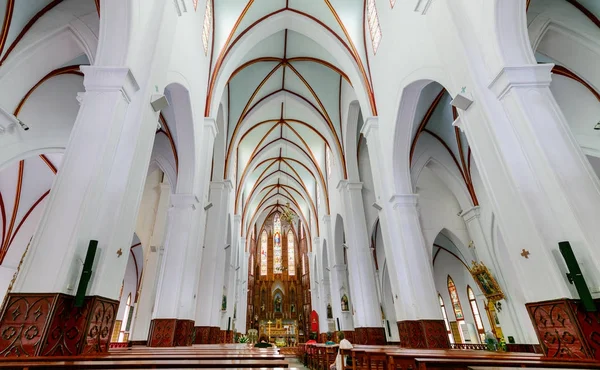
point(470, 214)
point(210, 124)
point(110, 79)
point(222, 185)
point(535, 75)
point(404, 200)
point(162, 333)
point(342, 184)
point(423, 6)
point(184, 201)
point(371, 125)
point(180, 7)
point(424, 334)
point(326, 219)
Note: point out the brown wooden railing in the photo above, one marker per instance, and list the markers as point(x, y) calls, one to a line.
point(476, 347)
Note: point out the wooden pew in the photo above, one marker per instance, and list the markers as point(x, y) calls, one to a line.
point(456, 363)
point(145, 357)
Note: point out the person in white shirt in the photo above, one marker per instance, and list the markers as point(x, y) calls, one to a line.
point(344, 344)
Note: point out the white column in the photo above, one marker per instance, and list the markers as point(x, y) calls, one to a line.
point(554, 182)
point(210, 287)
point(151, 269)
point(402, 235)
point(364, 303)
point(242, 291)
point(337, 277)
point(416, 260)
point(172, 300)
point(88, 200)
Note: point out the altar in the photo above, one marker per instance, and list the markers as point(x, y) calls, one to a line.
point(282, 332)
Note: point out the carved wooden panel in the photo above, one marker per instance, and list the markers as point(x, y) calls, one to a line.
point(23, 324)
point(101, 322)
point(435, 334)
point(557, 329)
point(215, 335)
point(372, 336)
point(162, 333)
point(184, 333)
point(411, 334)
point(67, 328)
point(202, 335)
point(589, 325)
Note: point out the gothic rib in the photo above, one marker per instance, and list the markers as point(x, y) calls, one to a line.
point(564, 71)
point(452, 254)
point(48, 163)
point(469, 182)
point(3, 213)
point(364, 22)
point(227, 49)
point(15, 210)
point(424, 122)
point(57, 72)
point(10, 6)
point(97, 2)
point(29, 24)
point(38, 201)
point(167, 132)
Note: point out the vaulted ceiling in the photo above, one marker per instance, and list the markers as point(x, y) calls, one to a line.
point(284, 103)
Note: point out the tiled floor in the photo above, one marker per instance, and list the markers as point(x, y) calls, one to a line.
point(295, 363)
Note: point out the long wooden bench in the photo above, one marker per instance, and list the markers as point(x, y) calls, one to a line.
point(218, 356)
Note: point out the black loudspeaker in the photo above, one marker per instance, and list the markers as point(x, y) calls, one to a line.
point(576, 277)
point(338, 322)
point(86, 274)
point(387, 322)
point(229, 324)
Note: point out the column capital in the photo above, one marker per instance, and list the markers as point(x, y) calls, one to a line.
point(210, 124)
point(326, 219)
point(404, 200)
point(110, 79)
point(339, 267)
point(316, 240)
point(533, 75)
point(470, 214)
point(237, 219)
point(371, 126)
point(184, 201)
point(225, 185)
point(347, 185)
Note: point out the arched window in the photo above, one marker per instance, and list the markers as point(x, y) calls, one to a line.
point(458, 312)
point(207, 29)
point(263, 253)
point(476, 315)
point(277, 259)
point(445, 316)
point(291, 255)
point(251, 267)
point(303, 265)
point(374, 26)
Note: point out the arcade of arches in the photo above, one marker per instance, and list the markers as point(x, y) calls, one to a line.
point(193, 171)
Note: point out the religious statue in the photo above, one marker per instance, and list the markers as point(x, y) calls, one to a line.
point(292, 308)
point(329, 311)
point(345, 306)
point(278, 304)
point(224, 303)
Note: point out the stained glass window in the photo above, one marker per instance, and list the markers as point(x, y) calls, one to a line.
point(291, 255)
point(207, 30)
point(277, 259)
point(445, 316)
point(475, 310)
point(374, 26)
point(303, 265)
point(455, 300)
point(263, 253)
point(251, 267)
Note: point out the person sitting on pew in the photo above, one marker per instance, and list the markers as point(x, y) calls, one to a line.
point(344, 344)
point(330, 341)
point(262, 343)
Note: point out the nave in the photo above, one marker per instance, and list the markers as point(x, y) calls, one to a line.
point(195, 177)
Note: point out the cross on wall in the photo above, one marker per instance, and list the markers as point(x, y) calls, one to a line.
point(525, 253)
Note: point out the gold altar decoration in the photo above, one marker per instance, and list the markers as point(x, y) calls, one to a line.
point(488, 285)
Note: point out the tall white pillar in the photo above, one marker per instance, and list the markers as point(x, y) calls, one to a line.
point(81, 205)
point(364, 304)
point(242, 291)
point(151, 269)
point(210, 287)
point(559, 191)
point(172, 301)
